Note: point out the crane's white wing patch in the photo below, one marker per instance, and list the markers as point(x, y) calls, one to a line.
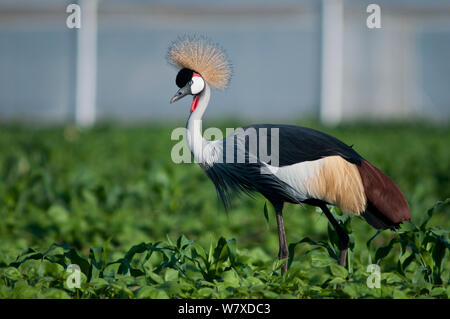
point(299, 176)
point(331, 179)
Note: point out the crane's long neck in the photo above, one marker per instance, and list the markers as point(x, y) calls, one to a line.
point(194, 135)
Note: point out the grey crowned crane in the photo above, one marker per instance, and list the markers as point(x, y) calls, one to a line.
point(310, 167)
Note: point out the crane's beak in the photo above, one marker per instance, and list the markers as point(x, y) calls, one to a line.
point(181, 93)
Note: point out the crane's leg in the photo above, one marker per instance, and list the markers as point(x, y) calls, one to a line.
point(343, 237)
point(284, 251)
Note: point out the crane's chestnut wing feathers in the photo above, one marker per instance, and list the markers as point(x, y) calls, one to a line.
point(387, 207)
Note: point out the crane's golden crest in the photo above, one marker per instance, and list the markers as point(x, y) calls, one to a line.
point(202, 56)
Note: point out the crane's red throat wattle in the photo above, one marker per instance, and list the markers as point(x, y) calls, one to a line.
point(194, 103)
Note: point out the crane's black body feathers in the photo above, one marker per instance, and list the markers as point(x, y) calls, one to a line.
point(296, 144)
point(299, 144)
point(386, 205)
point(229, 178)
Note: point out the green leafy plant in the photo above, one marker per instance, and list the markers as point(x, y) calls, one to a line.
point(111, 201)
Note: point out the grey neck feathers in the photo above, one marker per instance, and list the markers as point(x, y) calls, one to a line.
point(194, 135)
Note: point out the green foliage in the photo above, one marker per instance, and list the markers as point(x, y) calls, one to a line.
point(186, 270)
point(266, 213)
point(426, 246)
point(110, 199)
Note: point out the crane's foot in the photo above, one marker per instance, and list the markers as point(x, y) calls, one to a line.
point(284, 253)
point(343, 257)
point(284, 268)
point(343, 236)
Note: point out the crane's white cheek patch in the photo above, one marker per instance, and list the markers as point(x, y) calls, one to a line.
point(197, 85)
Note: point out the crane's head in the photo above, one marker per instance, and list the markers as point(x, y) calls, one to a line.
point(189, 82)
point(201, 62)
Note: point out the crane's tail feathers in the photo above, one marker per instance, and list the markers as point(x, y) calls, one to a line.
point(386, 205)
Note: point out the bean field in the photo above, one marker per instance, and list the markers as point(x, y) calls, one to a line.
point(111, 201)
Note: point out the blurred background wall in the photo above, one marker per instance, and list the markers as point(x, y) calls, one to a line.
point(399, 71)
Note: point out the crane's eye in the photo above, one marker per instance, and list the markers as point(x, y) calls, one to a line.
point(197, 85)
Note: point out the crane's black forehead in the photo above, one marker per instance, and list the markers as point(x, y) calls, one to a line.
point(183, 77)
